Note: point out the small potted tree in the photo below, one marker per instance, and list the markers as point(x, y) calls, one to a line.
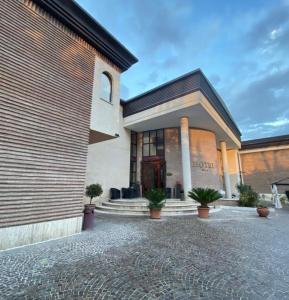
point(92, 191)
point(156, 198)
point(204, 196)
point(262, 209)
point(247, 196)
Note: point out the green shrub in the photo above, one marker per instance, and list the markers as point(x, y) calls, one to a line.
point(262, 204)
point(204, 195)
point(156, 198)
point(287, 194)
point(283, 200)
point(248, 197)
point(93, 190)
point(244, 188)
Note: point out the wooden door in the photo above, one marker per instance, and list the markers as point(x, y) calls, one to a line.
point(153, 175)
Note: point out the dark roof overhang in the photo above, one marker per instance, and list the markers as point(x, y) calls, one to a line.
point(266, 142)
point(78, 20)
point(181, 86)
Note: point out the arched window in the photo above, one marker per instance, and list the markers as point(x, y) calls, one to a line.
point(106, 87)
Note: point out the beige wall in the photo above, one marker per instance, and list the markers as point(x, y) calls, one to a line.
point(203, 148)
point(109, 161)
point(262, 167)
point(173, 156)
point(105, 116)
point(234, 171)
point(220, 170)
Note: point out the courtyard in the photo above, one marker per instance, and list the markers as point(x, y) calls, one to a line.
point(232, 255)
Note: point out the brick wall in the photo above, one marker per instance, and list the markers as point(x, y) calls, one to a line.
point(46, 77)
point(262, 168)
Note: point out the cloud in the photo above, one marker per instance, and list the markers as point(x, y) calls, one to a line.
point(271, 33)
point(245, 56)
point(277, 123)
point(264, 98)
point(262, 107)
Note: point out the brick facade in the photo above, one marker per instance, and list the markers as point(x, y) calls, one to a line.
point(261, 168)
point(45, 96)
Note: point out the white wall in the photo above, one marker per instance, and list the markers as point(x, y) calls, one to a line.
point(108, 162)
point(105, 116)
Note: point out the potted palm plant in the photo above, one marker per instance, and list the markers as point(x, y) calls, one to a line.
point(204, 196)
point(262, 209)
point(92, 191)
point(156, 198)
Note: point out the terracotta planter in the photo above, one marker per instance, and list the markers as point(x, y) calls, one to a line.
point(263, 211)
point(155, 213)
point(203, 212)
point(88, 218)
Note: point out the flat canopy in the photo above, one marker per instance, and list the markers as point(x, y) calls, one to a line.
point(195, 106)
point(180, 88)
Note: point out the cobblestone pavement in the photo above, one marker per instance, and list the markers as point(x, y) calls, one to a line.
point(232, 255)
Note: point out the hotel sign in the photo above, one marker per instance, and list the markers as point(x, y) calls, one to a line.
point(203, 165)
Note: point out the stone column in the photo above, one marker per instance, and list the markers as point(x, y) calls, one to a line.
point(186, 157)
point(226, 170)
point(240, 167)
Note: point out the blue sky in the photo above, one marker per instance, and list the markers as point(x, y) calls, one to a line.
point(241, 46)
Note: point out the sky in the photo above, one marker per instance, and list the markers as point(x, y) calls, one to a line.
point(241, 46)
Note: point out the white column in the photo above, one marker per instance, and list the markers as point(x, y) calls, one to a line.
point(226, 170)
point(186, 158)
point(240, 168)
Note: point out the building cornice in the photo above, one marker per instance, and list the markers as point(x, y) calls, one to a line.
point(78, 20)
point(179, 87)
point(275, 141)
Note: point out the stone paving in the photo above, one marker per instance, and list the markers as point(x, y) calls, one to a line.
point(232, 255)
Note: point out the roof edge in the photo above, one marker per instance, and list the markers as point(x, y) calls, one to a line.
point(81, 22)
point(163, 85)
point(266, 142)
point(194, 72)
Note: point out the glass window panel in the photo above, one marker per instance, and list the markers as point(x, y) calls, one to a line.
point(160, 133)
point(105, 92)
point(146, 136)
point(133, 138)
point(146, 150)
point(160, 141)
point(160, 152)
point(134, 150)
point(152, 137)
point(153, 150)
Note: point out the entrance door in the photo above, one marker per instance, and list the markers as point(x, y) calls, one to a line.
point(153, 174)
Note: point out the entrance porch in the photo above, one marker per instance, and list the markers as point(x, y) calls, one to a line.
point(138, 207)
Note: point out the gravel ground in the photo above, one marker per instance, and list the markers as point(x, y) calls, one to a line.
point(232, 255)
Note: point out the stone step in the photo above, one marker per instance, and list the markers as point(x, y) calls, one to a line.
point(138, 207)
point(144, 201)
point(182, 205)
point(143, 208)
point(144, 212)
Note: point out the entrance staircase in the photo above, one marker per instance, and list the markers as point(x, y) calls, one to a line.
point(138, 207)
